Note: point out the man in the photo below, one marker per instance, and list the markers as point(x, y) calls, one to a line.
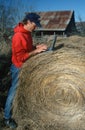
point(22, 49)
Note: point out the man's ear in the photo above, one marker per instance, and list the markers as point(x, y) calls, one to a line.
point(29, 22)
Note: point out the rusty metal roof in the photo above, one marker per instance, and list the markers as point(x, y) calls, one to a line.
point(55, 20)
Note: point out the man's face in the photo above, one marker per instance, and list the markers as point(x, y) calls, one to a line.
point(31, 26)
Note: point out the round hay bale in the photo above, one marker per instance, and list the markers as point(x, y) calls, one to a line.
point(51, 92)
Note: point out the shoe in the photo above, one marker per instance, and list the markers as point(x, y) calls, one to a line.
point(10, 123)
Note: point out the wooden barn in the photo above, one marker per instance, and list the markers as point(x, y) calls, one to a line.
point(58, 22)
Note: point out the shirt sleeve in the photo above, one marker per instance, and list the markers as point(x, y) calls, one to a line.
point(20, 49)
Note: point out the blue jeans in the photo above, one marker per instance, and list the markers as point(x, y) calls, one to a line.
point(12, 91)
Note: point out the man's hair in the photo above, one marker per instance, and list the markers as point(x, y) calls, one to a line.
point(33, 17)
point(24, 21)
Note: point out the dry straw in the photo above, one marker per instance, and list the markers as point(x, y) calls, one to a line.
point(51, 91)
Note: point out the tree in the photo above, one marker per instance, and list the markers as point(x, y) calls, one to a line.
point(6, 17)
point(11, 12)
point(81, 26)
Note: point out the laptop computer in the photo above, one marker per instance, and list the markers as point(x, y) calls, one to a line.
point(52, 45)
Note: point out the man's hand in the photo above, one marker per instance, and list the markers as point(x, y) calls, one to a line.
point(39, 48)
